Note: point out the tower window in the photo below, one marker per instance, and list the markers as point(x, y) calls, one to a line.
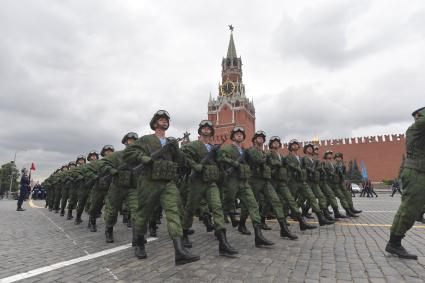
point(228, 62)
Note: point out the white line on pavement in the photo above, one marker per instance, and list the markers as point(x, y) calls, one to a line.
point(62, 264)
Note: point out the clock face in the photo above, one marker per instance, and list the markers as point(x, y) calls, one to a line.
point(228, 88)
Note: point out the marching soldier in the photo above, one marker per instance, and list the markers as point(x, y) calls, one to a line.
point(100, 187)
point(313, 179)
point(73, 192)
point(66, 186)
point(280, 182)
point(85, 186)
point(341, 170)
point(413, 180)
point(158, 157)
point(261, 183)
point(236, 184)
point(298, 185)
point(201, 156)
point(120, 186)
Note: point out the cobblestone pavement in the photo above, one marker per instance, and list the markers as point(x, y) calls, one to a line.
point(351, 251)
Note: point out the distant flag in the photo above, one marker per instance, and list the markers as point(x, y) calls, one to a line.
point(32, 166)
point(364, 172)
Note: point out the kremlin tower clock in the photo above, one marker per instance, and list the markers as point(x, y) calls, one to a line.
point(231, 107)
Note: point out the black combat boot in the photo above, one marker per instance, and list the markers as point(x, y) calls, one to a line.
point(69, 216)
point(139, 251)
point(233, 219)
point(327, 215)
point(284, 230)
point(134, 237)
point(206, 218)
point(264, 225)
point(304, 225)
point(20, 209)
point(92, 221)
point(322, 220)
point(306, 214)
point(350, 213)
point(109, 233)
point(152, 229)
point(125, 218)
point(78, 219)
point(186, 242)
point(224, 248)
point(242, 227)
point(394, 247)
point(355, 210)
point(50, 208)
point(260, 240)
point(182, 256)
point(338, 215)
point(190, 231)
point(56, 210)
point(62, 212)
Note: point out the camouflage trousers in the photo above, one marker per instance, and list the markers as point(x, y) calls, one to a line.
point(412, 201)
point(303, 193)
point(114, 200)
point(321, 199)
point(338, 191)
point(152, 193)
point(286, 197)
point(329, 194)
point(200, 191)
point(97, 199)
point(267, 198)
point(235, 188)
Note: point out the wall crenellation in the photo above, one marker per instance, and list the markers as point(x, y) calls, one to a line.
point(357, 140)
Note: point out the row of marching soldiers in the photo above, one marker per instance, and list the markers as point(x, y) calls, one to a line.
point(153, 174)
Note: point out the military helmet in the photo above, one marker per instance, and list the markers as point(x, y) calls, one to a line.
point(159, 114)
point(418, 111)
point(327, 153)
point(72, 163)
point(64, 166)
point(307, 145)
point(206, 123)
point(105, 148)
point(273, 139)
point(338, 154)
point(81, 157)
point(259, 134)
point(236, 129)
point(292, 142)
point(130, 135)
point(93, 152)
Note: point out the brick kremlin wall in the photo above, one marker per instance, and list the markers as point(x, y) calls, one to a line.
point(382, 155)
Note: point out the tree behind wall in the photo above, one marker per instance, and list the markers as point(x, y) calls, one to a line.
point(7, 170)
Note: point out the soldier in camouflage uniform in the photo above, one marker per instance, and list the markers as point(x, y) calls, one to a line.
point(413, 181)
point(324, 187)
point(298, 183)
point(341, 169)
point(66, 187)
point(59, 184)
point(100, 187)
point(201, 157)
point(334, 182)
point(120, 186)
point(75, 180)
point(261, 185)
point(159, 158)
point(85, 185)
point(280, 182)
point(313, 178)
point(236, 184)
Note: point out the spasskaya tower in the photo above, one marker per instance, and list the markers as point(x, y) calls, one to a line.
point(231, 107)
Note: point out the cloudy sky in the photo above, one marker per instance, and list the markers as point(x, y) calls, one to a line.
point(75, 75)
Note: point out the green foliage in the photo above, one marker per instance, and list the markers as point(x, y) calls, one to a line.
point(388, 182)
point(6, 171)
